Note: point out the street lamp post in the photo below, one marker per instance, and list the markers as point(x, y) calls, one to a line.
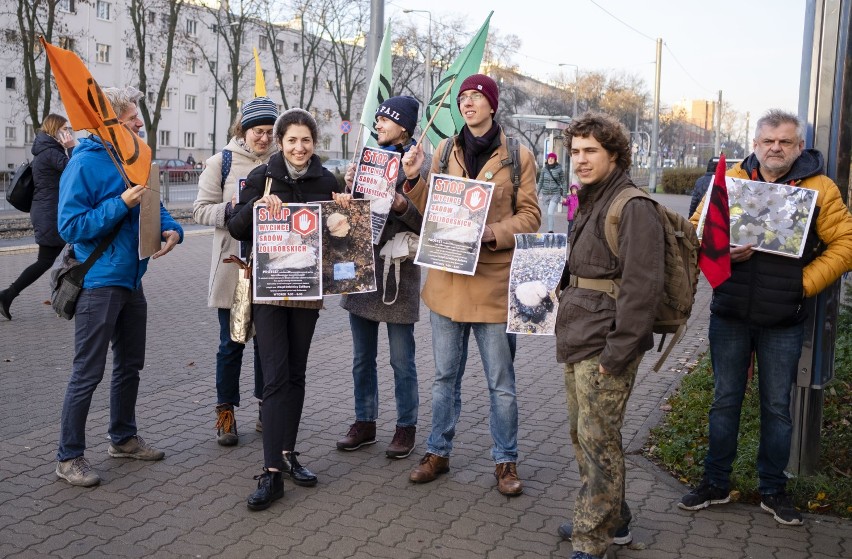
point(427, 73)
point(215, 27)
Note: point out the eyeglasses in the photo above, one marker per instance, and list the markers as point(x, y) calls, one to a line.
point(476, 96)
point(260, 132)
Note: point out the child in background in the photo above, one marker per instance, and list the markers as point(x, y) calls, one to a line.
point(571, 203)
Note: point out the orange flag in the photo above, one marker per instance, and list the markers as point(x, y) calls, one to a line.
point(89, 109)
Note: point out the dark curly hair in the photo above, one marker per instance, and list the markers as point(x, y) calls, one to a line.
point(611, 134)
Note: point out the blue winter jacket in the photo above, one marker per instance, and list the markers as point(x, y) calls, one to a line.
point(90, 206)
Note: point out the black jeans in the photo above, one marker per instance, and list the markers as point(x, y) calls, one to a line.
point(46, 257)
point(284, 338)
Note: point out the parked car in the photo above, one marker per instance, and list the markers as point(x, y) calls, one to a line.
point(178, 171)
point(336, 165)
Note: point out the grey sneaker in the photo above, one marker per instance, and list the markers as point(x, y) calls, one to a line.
point(77, 471)
point(137, 448)
point(781, 507)
point(703, 496)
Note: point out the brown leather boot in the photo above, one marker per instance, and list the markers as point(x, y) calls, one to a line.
point(430, 467)
point(508, 482)
point(360, 433)
point(402, 443)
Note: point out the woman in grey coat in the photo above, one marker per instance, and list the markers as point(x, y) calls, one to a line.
point(551, 188)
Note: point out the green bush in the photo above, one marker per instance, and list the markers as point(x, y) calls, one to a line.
point(679, 443)
point(680, 180)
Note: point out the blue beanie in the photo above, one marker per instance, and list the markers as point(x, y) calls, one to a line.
point(402, 110)
point(258, 111)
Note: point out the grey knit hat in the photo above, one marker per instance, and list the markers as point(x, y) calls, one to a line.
point(295, 116)
point(258, 111)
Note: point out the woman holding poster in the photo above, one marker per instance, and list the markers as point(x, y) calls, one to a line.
point(284, 327)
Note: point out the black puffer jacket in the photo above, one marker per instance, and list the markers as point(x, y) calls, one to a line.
point(49, 162)
point(767, 290)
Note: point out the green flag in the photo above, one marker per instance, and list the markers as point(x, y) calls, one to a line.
point(381, 85)
point(449, 120)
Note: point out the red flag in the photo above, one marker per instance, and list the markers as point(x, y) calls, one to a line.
point(88, 109)
point(714, 258)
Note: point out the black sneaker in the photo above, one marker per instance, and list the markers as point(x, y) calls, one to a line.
point(703, 496)
point(622, 535)
point(781, 507)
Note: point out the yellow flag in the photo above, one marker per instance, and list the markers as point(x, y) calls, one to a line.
point(259, 82)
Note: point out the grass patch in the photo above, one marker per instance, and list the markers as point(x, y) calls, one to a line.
point(679, 443)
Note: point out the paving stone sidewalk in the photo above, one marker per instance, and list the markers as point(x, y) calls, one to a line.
point(192, 504)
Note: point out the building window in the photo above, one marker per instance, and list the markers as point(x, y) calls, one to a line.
point(165, 138)
point(189, 103)
point(191, 27)
point(211, 102)
point(279, 46)
point(210, 138)
point(11, 133)
point(192, 65)
point(295, 47)
point(11, 35)
point(295, 78)
point(68, 5)
point(151, 98)
point(130, 53)
point(166, 104)
point(328, 85)
point(29, 134)
point(104, 9)
point(164, 19)
point(68, 43)
point(103, 53)
point(263, 43)
point(152, 16)
point(189, 139)
point(10, 82)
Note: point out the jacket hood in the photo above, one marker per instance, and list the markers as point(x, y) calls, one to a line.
point(44, 142)
point(810, 163)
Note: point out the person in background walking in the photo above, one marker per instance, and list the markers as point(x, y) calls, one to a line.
point(50, 151)
point(218, 190)
point(572, 202)
point(550, 188)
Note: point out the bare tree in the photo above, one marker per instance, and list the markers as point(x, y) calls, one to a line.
point(145, 39)
point(36, 18)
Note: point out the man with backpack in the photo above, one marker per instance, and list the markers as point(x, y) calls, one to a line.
point(460, 303)
point(605, 325)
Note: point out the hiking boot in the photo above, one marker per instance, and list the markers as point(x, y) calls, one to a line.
point(298, 473)
point(402, 443)
point(226, 425)
point(781, 507)
point(136, 448)
point(622, 535)
point(360, 433)
point(270, 488)
point(508, 482)
point(703, 496)
point(430, 467)
point(77, 471)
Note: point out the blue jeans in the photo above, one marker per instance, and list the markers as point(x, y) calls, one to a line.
point(106, 314)
point(778, 351)
point(550, 202)
point(497, 349)
point(229, 363)
point(365, 342)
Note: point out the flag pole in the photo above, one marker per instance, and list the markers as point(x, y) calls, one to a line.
point(434, 114)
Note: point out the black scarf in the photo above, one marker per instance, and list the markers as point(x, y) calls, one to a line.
point(477, 149)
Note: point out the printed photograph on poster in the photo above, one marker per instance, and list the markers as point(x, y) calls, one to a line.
point(537, 266)
point(287, 253)
point(772, 217)
point(453, 223)
point(347, 256)
point(375, 179)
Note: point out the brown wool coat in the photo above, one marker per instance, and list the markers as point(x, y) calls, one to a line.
point(483, 297)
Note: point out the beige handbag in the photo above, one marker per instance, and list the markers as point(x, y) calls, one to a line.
point(242, 325)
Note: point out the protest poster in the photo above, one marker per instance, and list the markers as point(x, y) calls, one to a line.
point(537, 265)
point(287, 253)
point(771, 217)
point(348, 264)
point(375, 179)
point(453, 223)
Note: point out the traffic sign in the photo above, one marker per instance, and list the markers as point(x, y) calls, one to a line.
point(345, 126)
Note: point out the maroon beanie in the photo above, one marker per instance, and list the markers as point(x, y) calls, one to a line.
point(483, 84)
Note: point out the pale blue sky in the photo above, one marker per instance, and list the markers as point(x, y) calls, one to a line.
point(750, 49)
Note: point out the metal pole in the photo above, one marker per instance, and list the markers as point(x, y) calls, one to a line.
point(655, 131)
point(215, 89)
point(374, 38)
point(717, 144)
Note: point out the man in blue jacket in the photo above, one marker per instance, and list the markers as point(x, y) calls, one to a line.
point(93, 200)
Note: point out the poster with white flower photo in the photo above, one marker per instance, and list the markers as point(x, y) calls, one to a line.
point(772, 217)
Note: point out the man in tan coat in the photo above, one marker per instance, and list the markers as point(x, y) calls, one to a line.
point(461, 303)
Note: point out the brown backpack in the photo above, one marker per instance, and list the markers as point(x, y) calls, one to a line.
point(681, 268)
